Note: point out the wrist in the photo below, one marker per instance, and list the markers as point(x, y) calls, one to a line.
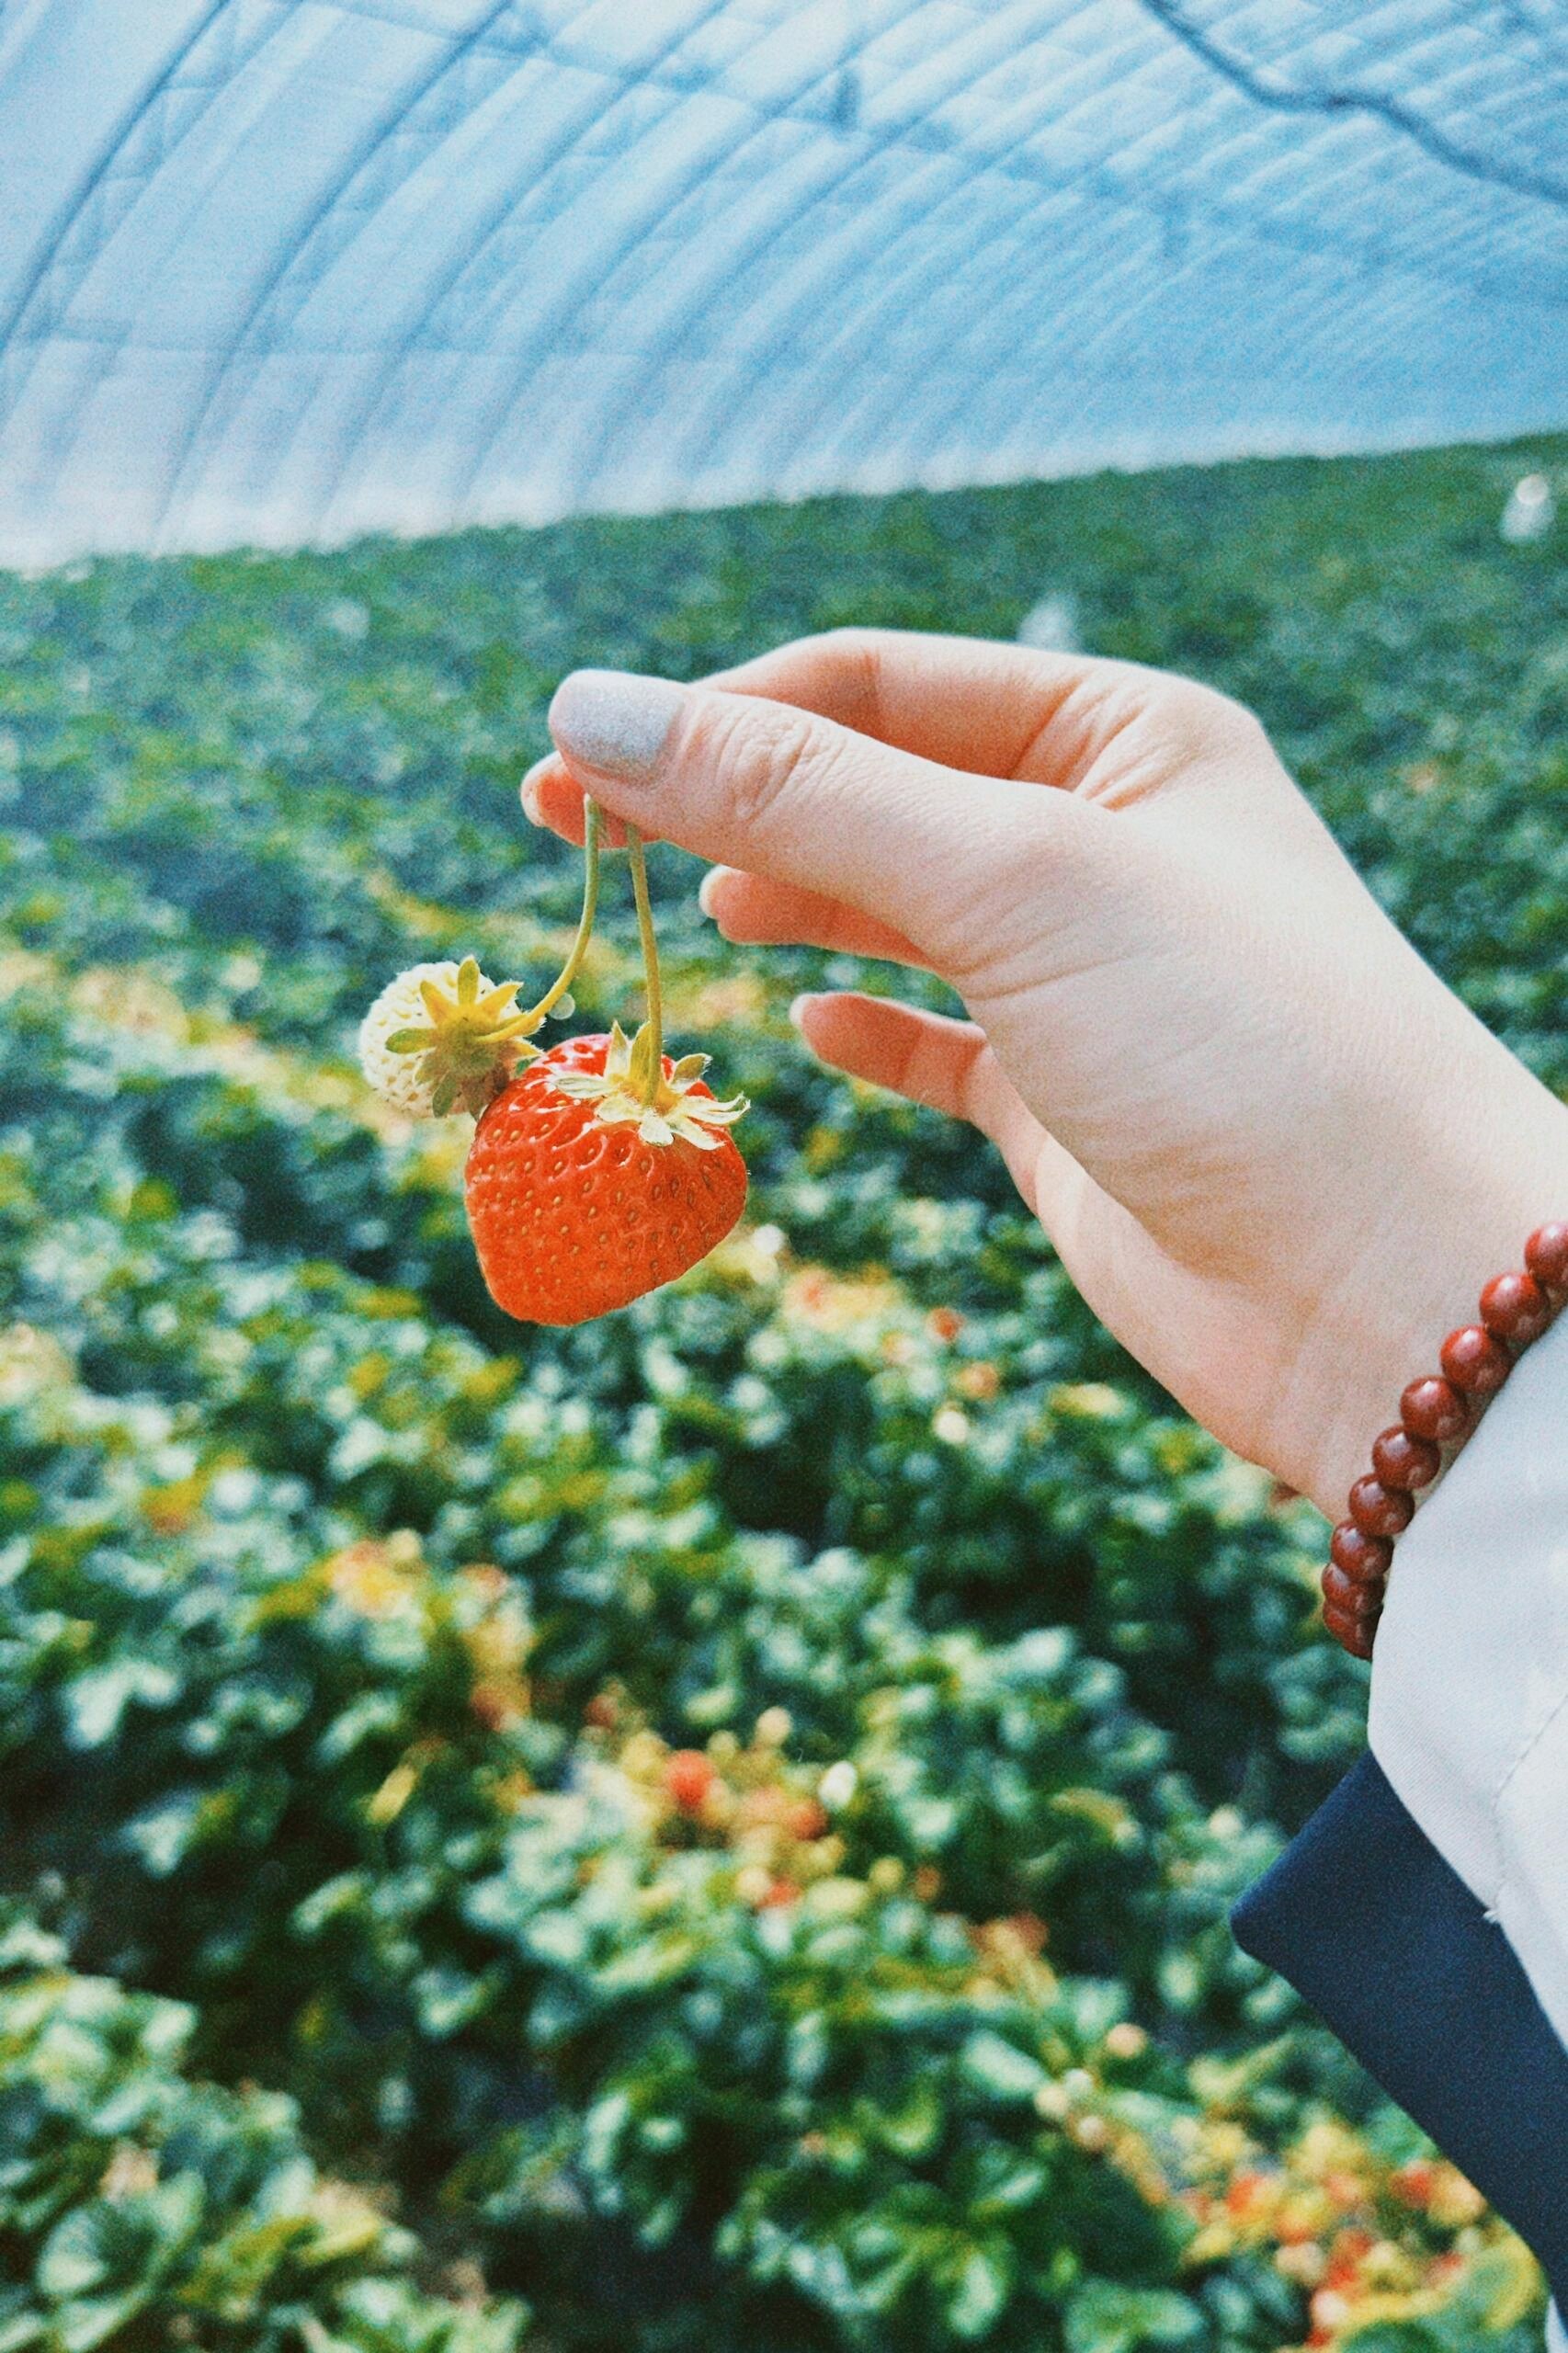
point(1456, 1213)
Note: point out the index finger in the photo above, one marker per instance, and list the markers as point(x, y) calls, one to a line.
point(969, 703)
point(972, 703)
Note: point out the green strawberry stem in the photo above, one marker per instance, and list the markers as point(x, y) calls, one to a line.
point(652, 1066)
point(570, 970)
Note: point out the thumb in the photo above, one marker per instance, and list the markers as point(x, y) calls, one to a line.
point(783, 794)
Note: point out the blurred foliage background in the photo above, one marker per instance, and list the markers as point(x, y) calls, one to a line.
point(713, 1830)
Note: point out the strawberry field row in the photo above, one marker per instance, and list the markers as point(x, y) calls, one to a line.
point(721, 1820)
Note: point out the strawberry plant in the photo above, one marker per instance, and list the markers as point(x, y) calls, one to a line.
point(714, 1821)
point(140, 2207)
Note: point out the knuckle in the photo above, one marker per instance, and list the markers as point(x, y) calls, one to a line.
point(851, 660)
point(758, 759)
point(854, 643)
point(1206, 718)
point(1247, 729)
point(1153, 724)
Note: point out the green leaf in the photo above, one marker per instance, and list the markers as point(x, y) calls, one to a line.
point(166, 1833)
point(1001, 2068)
point(97, 1701)
point(984, 2286)
point(1102, 2317)
point(81, 2327)
point(911, 2128)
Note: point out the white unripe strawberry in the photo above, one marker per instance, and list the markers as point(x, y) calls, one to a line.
point(441, 1037)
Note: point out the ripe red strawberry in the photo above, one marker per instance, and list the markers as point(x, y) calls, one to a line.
point(582, 1194)
point(689, 1777)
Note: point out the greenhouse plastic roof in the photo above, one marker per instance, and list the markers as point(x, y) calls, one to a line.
point(290, 270)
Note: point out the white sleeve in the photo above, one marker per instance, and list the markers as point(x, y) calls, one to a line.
point(1556, 2335)
point(1470, 1680)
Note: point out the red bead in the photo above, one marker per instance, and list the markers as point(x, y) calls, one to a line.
point(1340, 1592)
point(1515, 1307)
point(1378, 1510)
point(1401, 1460)
point(1355, 1635)
point(1433, 1408)
point(1475, 1361)
point(1362, 1558)
point(1546, 1254)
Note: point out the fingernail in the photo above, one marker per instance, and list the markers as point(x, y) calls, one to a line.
point(614, 723)
point(708, 888)
point(797, 1010)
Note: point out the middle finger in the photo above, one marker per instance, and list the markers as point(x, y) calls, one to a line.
point(751, 910)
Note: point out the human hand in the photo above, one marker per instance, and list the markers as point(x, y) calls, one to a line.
point(1276, 1154)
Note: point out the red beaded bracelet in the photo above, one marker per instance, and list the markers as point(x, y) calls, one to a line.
point(1435, 1412)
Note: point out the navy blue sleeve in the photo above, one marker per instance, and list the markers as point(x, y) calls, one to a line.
point(1368, 1922)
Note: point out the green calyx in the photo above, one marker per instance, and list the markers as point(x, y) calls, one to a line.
point(475, 1036)
point(634, 1090)
point(472, 1042)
